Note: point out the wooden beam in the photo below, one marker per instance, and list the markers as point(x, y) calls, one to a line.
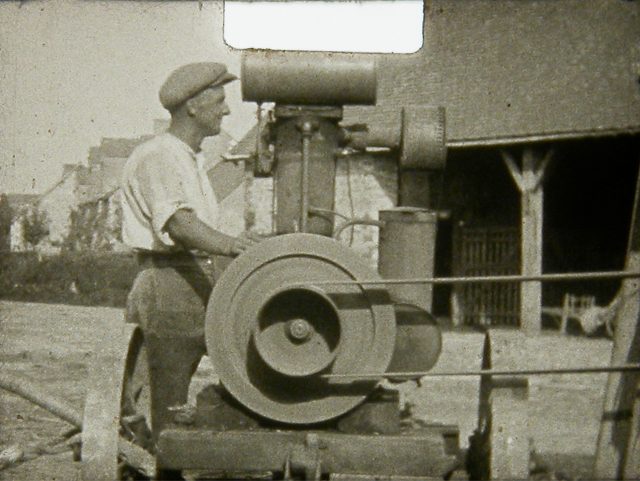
point(514, 170)
point(422, 454)
point(529, 182)
point(531, 262)
point(542, 169)
point(632, 454)
point(616, 452)
point(532, 177)
point(531, 245)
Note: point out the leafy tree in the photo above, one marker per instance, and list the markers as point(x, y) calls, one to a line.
point(73, 238)
point(36, 226)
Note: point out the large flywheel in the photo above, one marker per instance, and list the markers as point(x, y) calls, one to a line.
point(271, 333)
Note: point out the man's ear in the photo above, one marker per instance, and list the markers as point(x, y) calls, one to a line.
point(191, 106)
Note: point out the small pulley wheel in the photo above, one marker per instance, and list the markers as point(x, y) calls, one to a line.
point(298, 331)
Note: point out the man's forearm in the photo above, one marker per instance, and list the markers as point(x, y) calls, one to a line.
point(185, 227)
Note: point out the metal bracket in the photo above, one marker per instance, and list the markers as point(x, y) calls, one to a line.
point(306, 458)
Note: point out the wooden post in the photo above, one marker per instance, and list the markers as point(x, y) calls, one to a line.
point(529, 182)
point(456, 309)
point(616, 452)
point(632, 455)
point(509, 440)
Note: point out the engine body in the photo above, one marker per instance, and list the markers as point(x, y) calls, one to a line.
point(294, 313)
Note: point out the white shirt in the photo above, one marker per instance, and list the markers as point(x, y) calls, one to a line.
point(160, 177)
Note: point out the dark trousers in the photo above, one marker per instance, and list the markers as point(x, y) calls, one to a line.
point(168, 300)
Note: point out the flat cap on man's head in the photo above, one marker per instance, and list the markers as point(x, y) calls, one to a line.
point(191, 79)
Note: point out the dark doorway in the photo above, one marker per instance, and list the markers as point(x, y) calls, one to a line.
point(589, 191)
point(588, 198)
point(477, 191)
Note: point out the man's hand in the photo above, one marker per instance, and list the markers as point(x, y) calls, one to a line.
point(245, 240)
point(241, 244)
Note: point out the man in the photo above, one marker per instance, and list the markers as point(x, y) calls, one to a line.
point(169, 212)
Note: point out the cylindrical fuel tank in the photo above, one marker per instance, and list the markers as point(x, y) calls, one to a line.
point(272, 333)
point(407, 250)
point(308, 78)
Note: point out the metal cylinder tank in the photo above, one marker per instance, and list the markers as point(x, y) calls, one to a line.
point(308, 78)
point(407, 250)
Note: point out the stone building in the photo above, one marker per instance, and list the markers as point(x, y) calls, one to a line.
point(96, 220)
point(77, 185)
point(19, 204)
point(82, 209)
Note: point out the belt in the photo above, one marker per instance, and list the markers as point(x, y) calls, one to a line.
point(213, 265)
point(172, 259)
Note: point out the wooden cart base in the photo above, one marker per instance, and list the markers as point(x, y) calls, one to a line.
point(305, 454)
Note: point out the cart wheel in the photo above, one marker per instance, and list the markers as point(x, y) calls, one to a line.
point(116, 439)
point(499, 448)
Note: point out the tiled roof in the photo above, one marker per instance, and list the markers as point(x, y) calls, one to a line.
point(98, 197)
point(215, 147)
point(115, 147)
point(247, 144)
point(19, 200)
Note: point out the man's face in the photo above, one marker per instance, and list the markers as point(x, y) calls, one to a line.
point(209, 108)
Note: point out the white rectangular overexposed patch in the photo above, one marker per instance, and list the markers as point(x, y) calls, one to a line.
point(368, 26)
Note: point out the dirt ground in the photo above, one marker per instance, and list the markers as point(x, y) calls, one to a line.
point(51, 346)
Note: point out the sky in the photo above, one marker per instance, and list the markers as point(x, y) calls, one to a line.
point(74, 71)
point(380, 26)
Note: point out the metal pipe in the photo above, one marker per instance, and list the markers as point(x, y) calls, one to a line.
point(319, 168)
point(478, 279)
point(486, 372)
point(307, 129)
point(353, 222)
point(328, 212)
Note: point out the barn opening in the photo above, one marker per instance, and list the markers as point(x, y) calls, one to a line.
point(588, 196)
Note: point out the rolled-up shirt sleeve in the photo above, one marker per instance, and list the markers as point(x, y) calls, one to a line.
point(162, 191)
